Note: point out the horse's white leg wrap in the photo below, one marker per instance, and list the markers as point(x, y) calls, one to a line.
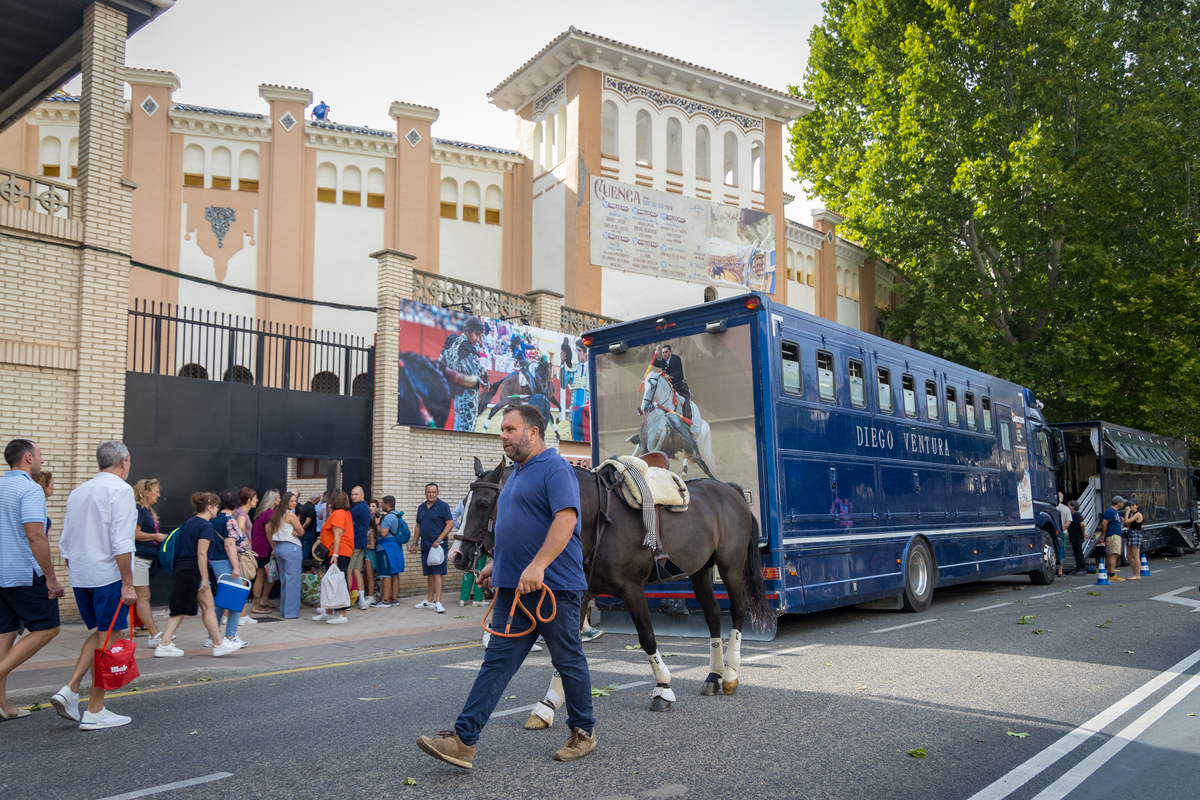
point(544, 710)
point(733, 659)
point(716, 658)
point(662, 677)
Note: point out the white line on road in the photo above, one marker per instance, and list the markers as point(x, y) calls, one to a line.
point(1022, 774)
point(1081, 771)
point(781, 652)
point(988, 608)
point(1040, 596)
point(166, 787)
point(1170, 597)
point(909, 625)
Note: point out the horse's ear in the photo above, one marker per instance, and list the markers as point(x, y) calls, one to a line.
point(479, 470)
point(498, 473)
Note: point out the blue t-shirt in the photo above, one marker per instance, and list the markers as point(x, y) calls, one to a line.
point(533, 494)
point(190, 534)
point(1114, 522)
point(148, 524)
point(360, 512)
point(432, 521)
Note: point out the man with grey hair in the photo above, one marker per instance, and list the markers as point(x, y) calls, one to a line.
point(97, 543)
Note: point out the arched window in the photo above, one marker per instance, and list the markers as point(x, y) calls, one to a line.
point(808, 270)
point(538, 135)
point(239, 375)
point(854, 284)
point(326, 183)
point(645, 140)
point(193, 165)
point(837, 287)
point(361, 386)
point(703, 154)
point(562, 134)
point(248, 171)
point(550, 139)
point(326, 383)
point(51, 157)
point(495, 202)
point(376, 188)
point(710, 294)
point(449, 199)
point(470, 202)
point(731, 159)
point(73, 157)
point(791, 264)
point(756, 166)
point(193, 371)
point(674, 146)
point(352, 186)
point(222, 168)
point(609, 129)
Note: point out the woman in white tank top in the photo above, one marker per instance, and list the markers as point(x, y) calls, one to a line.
point(288, 559)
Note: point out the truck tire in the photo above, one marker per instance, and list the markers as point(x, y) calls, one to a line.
point(918, 577)
point(1045, 576)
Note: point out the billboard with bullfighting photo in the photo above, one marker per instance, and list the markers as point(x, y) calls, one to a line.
point(458, 370)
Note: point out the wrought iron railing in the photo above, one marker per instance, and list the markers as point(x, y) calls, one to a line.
point(172, 340)
point(438, 290)
point(34, 193)
point(576, 322)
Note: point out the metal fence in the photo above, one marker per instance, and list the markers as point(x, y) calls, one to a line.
point(34, 193)
point(438, 290)
point(576, 322)
point(206, 345)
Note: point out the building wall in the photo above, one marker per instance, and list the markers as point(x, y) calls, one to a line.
point(471, 251)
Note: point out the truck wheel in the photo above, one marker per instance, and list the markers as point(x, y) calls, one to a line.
point(1045, 576)
point(918, 577)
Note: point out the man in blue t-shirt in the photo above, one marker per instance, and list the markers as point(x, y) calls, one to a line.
point(360, 513)
point(1110, 536)
point(434, 521)
point(537, 544)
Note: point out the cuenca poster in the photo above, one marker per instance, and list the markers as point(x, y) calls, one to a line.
point(639, 229)
point(459, 370)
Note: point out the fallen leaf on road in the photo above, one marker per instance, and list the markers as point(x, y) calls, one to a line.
point(635, 772)
point(633, 647)
point(1190, 714)
point(669, 655)
point(510, 697)
point(1067, 605)
point(917, 753)
point(1122, 605)
point(1068, 591)
point(461, 616)
point(410, 781)
point(1104, 624)
point(37, 707)
point(1040, 630)
point(1094, 594)
point(859, 688)
point(205, 680)
point(272, 684)
point(603, 691)
point(1018, 735)
point(297, 658)
point(828, 664)
point(1093, 638)
point(193, 733)
point(1129, 652)
point(1025, 619)
point(438, 678)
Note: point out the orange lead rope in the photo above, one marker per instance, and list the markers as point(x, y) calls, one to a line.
point(512, 613)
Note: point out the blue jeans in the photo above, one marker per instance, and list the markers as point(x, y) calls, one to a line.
point(504, 657)
point(288, 560)
point(220, 568)
point(306, 543)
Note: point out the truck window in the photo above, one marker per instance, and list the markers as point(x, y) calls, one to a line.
point(987, 414)
point(1043, 448)
point(1005, 437)
point(931, 400)
point(909, 386)
point(884, 377)
point(858, 387)
point(789, 353)
point(952, 406)
point(825, 384)
point(969, 397)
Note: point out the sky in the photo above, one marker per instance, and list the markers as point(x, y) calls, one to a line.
point(360, 56)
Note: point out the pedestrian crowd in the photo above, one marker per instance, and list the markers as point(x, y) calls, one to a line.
point(1118, 533)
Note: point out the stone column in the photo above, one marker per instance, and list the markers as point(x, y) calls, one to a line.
point(105, 203)
point(547, 309)
point(391, 445)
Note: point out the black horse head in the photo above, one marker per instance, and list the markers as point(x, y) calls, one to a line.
point(476, 530)
point(423, 394)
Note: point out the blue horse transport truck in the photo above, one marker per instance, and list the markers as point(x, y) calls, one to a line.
point(877, 473)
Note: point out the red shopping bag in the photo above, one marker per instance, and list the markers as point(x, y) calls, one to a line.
point(114, 667)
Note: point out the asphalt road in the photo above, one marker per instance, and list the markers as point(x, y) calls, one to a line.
point(830, 709)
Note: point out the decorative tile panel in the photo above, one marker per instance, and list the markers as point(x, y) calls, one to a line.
point(149, 106)
point(546, 100)
point(287, 121)
point(691, 107)
point(412, 137)
point(220, 219)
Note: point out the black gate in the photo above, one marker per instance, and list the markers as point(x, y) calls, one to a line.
point(217, 402)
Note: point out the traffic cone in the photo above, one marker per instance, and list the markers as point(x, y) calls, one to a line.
point(1146, 573)
point(1102, 574)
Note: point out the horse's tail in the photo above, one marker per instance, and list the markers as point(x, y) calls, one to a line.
point(756, 590)
point(705, 443)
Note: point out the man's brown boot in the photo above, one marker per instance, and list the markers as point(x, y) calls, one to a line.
point(578, 745)
point(449, 748)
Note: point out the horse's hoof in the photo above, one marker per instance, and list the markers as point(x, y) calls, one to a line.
point(535, 723)
point(729, 687)
point(660, 704)
point(708, 689)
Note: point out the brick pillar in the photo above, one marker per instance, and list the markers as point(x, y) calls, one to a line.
point(391, 446)
point(826, 266)
point(866, 303)
point(547, 309)
point(106, 211)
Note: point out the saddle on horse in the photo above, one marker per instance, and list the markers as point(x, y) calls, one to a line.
point(647, 488)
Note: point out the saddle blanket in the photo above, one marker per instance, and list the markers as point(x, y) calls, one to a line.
point(666, 488)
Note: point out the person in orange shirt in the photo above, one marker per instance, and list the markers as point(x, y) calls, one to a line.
point(338, 537)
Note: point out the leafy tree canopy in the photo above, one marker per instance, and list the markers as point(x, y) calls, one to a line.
point(1032, 167)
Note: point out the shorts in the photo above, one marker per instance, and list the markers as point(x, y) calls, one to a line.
point(262, 561)
point(1133, 538)
point(141, 571)
point(369, 555)
point(344, 564)
point(97, 605)
point(185, 588)
point(1112, 545)
point(29, 606)
point(440, 569)
point(356, 560)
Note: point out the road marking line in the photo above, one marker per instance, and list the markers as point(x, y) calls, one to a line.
point(1170, 597)
point(909, 625)
point(988, 608)
point(781, 652)
point(1023, 773)
point(1081, 771)
point(166, 787)
point(1040, 596)
point(508, 711)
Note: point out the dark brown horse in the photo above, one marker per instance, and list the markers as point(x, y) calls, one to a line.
point(717, 530)
point(539, 378)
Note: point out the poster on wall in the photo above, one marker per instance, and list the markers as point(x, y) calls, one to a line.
point(458, 371)
point(658, 233)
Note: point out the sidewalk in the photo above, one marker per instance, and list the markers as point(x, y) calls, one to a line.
point(275, 643)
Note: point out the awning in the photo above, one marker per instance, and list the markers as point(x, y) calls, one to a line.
point(1134, 448)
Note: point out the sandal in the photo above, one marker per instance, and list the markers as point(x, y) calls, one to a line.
point(21, 712)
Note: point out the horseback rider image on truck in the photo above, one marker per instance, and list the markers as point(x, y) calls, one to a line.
point(672, 366)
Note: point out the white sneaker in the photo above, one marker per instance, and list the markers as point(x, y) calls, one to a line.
point(168, 650)
point(537, 648)
point(439, 608)
point(364, 604)
point(320, 617)
point(154, 640)
point(226, 647)
point(102, 719)
point(238, 638)
point(462, 603)
point(336, 619)
point(66, 703)
point(424, 604)
point(247, 621)
point(208, 642)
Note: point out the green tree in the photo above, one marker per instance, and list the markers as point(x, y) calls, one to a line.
point(1031, 167)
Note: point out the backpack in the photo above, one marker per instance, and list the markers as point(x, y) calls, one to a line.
point(403, 534)
point(166, 552)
